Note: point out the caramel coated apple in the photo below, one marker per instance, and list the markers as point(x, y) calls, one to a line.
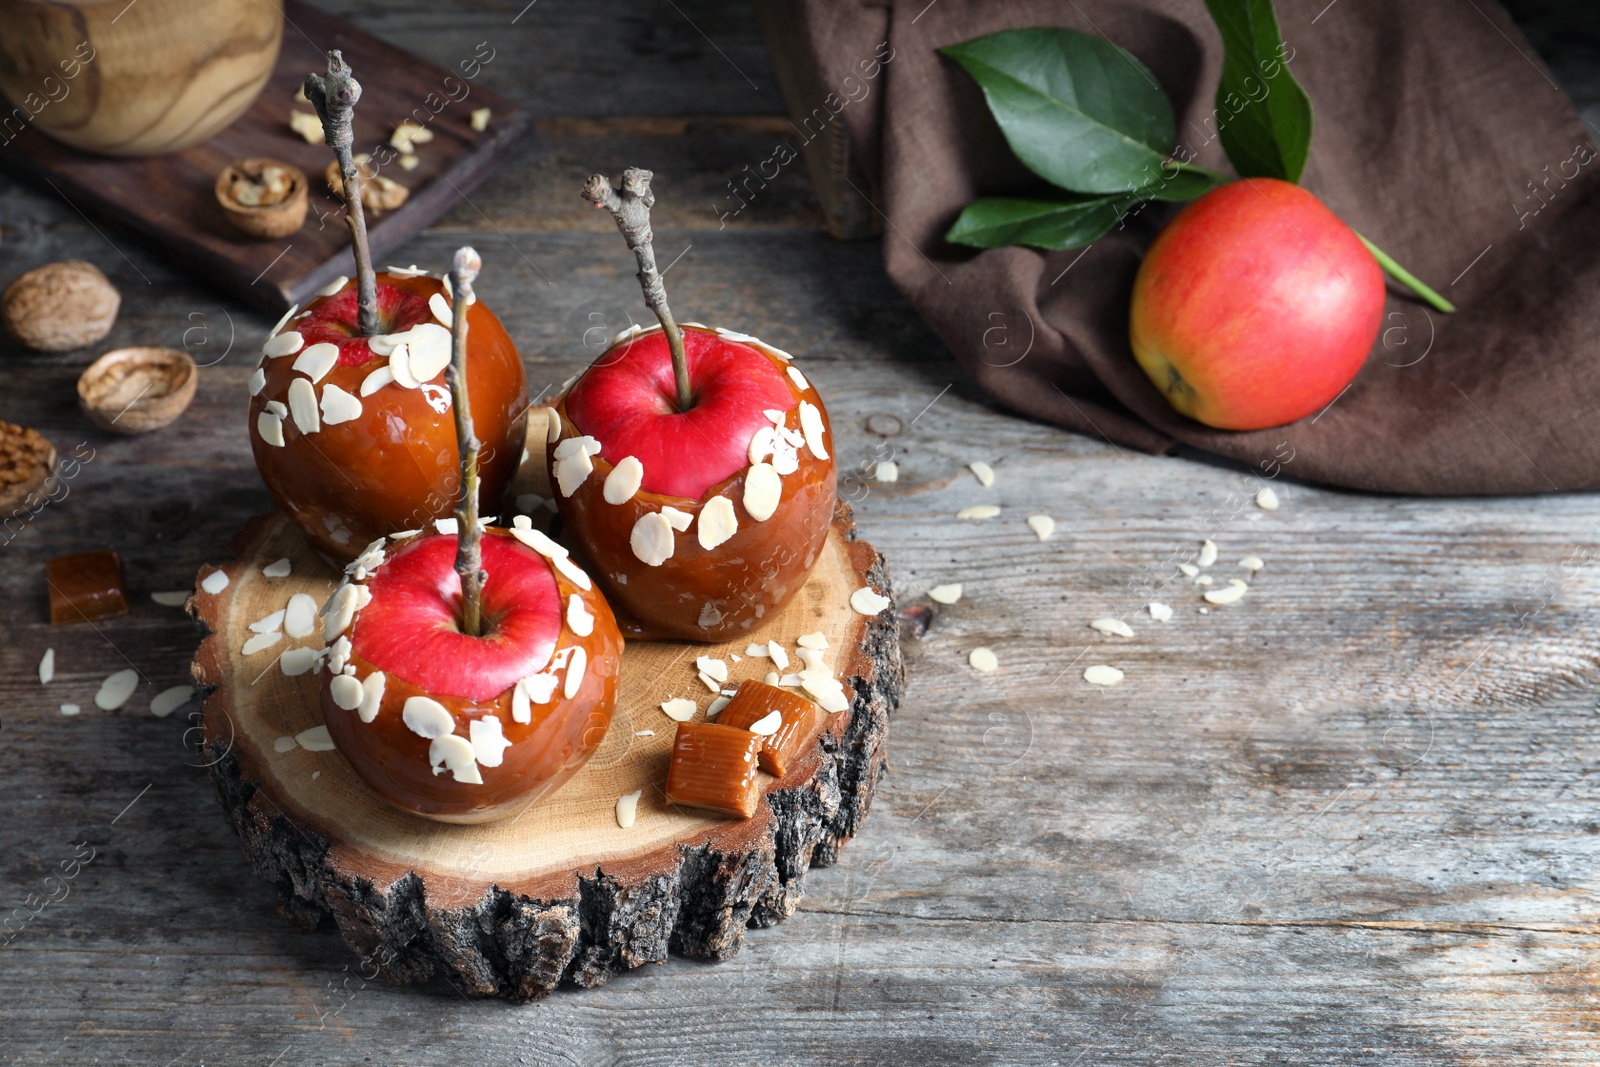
point(701, 522)
point(354, 435)
point(461, 728)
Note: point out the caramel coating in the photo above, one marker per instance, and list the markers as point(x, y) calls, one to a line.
point(60, 306)
point(396, 466)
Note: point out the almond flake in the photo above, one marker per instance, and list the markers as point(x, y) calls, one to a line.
point(817, 640)
point(945, 594)
point(283, 344)
point(981, 511)
point(627, 803)
point(678, 520)
point(316, 361)
point(767, 725)
point(1159, 611)
point(572, 572)
point(69, 709)
point(716, 706)
point(345, 691)
point(215, 582)
point(798, 379)
point(1267, 498)
point(1228, 594)
point(710, 682)
point(338, 406)
point(334, 286)
point(982, 471)
point(279, 568)
point(717, 522)
point(833, 701)
point(578, 617)
point(1114, 627)
point(622, 484)
point(652, 540)
point(868, 601)
point(887, 471)
point(372, 687)
point(303, 406)
point(284, 744)
point(261, 641)
point(1100, 674)
point(47, 667)
point(811, 426)
point(268, 623)
point(278, 408)
point(780, 658)
point(573, 462)
point(441, 309)
point(297, 661)
point(776, 417)
point(341, 612)
point(116, 689)
point(258, 381)
point(1043, 526)
point(377, 380)
point(983, 659)
point(552, 425)
point(170, 700)
point(479, 120)
point(315, 739)
point(454, 754)
point(283, 321)
point(717, 668)
point(385, 343)
point(1188, 570)
point(426, 717)
point(429, 344)
point(644, 733)
point(770, 678)
point(1252, 563)
point(400, 368)
point(763, 489)
point(1204, 579)
point(1208, 553)
point(177, 597)
point(575, 670)
point(681, 709)
point(449, 526)
point(488, 740)
point(270, 427)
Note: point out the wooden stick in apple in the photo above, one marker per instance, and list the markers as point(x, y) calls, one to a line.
point(631, 209)
point(469, 555)
point(334, 97)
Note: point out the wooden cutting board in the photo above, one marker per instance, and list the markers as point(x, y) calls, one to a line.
point(168, 200)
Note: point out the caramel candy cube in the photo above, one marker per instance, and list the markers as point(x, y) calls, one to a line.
point(754, 702)
point(714, 767)
point(85, 586)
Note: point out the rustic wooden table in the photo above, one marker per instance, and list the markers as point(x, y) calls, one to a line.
point(1351, 819)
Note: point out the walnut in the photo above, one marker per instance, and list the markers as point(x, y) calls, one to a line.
point(378, 194)
point(60, 306)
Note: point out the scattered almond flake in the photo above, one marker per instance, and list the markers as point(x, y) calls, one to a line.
point(710, 682)
point(69, 709)
point(717, 668)
point(621, 485)
point(317, 360)
point(440, 308)
point(454, 754)
point(176, 598)
point(170, 700)
point(578, 617)
point(717, 522)
point(761, 443)
point(1205, 611)
point(426, 717)
point(300, 617)
point(376, 380)
point(116, 689)
point(341, 612)
point(345, 691)
point(682, 709)
point(1208, 553)
point(215, 582)
point(734, 656)
point(479, 120)
point(268, 623)
point(798, 379)
point(334, 286)
point(260, 642)
point(429, 346)
point(408, 134)
point(572, 572)
point(372, 687)
point(278, 408)
point(776, 417)
point(284, 744)
point(981, 511)
point(572, 464)
point(767, 725)
point(644, 733)
point(278, 568)
point(1100, 674)
point(757, 650)
point(338, 406)
point(1160, 612)
point(303, 406)
point(945, 594)
point(982, 471)
point(1043, 526)
point(833, 701)
point(283, 344)
point(270, 427)
point(315, 775)
point(1228, 594)
point(811, 427)
point(283, 321)
point(983, 659)
point(812, 640)
point(307, 126)
point(627, 803)
point(409, 161)
point(575, 670)
point(257, 382)
point(780, 658)
point(47, 667)
point(338, 655)
point(1204, 579)
point(717, 705)
point(1188, 570)
point(887, 471)
point(678, 520)
point(488, 741)
point(1267, 498)
point(1252, 563)
point(1115, 627)
point(770, 678)
point(449, 527)
point(792, 679)
point(652, 540)
point(812, 658)
point(400, 368)
point(297, 661)
point(868, 601)
point(763, 490)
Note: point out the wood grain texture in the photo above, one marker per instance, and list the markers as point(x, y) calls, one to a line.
point(1349, 820)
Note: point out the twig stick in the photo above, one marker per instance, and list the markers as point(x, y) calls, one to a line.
point(334, 97)
point(469, 552)
point(632, 211)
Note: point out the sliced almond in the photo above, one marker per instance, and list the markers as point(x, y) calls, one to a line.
point(372, 687)
point(1043, 526)
point(268, 623)
point(303, 406)
point(575, 671)
point(1252, 563)
point(622, 484)
point(1159, 611)
point(887, 471)
point(1115, 627)
point(627, 803)
point(1100, 674)
point(116, 689)
point(170, 700)
point(455, 755)
point(982, 471)
point(258, 381)
point(717, 522)
point(1267, 498)
point(260, 642)
point(780, 658)
point(426, 717)
point(441, 309)
point(377, 380)
point(578, 617)
point(400, 368)
point(317, 360)
point(817, 640)
point(763, 489)
point(681, 709)
point(279, 568)
point(215, 582)
point(1228, 594)
point(981, 511)
point(47, 667)
point(283, 344)
point(1208, 553)
point(270, 427)
point(811, 426)
point(945, 594)
point(798, 379)
point(1188, 570)
point(429, 344)
point(868, 601)
point(652, 540)
point(678, 520)
point(316, 739)
point(983, 659)
point(488, 740)
point(338, 406)
point(176, 597)
point(767, 725)
point(345, 691)
point(479, 120)
point(717, 668)
point(296, 661)
point(334, 286)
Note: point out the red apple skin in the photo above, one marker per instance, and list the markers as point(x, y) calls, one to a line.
point(1255, 306)
point(753, 574)
point(395, 467)
point(407, 631)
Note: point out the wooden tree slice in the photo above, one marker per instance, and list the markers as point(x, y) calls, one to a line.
point(562, 892)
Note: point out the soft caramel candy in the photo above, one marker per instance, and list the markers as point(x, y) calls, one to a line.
point(85, 586)
point(714, 766)
point(756, 701)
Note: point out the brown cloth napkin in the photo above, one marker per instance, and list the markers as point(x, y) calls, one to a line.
point(1439, 135)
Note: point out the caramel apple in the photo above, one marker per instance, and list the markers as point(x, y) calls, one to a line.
point(350, 420)
point(693, 466)
point(471, 670)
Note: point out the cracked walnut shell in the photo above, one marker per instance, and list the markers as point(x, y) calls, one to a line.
point(60, 306)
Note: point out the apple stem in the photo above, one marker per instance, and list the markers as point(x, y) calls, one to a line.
point(334, 97)
point(632, 212)
point(469, 551)
point(1408, 279)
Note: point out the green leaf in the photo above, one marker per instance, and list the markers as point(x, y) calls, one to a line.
point(1080, 112)
point(1262, 114)
point(996, 221)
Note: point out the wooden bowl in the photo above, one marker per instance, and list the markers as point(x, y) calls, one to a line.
point(136, 390)
point(263, 220)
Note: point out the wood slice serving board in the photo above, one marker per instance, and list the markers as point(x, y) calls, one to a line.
point(561, 892)
point(170, 200)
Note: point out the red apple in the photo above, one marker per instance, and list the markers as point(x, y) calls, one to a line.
point(702, 521)
point(456, 727)
point(1255, 306)
point(362, 454)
